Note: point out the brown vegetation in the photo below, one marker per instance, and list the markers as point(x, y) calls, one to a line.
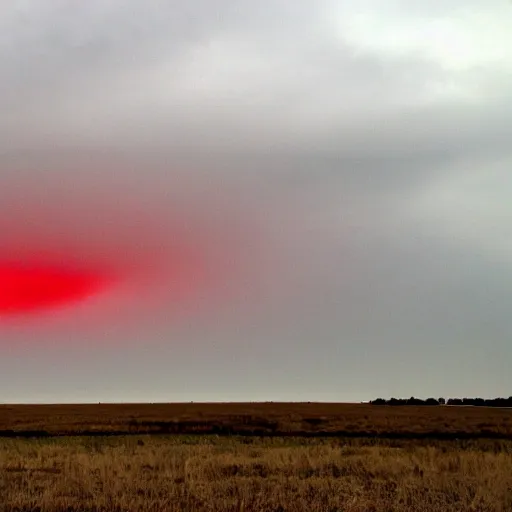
point(314, 419)
point(249, 474)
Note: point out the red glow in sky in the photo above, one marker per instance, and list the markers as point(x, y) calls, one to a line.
point(25, 289)
point(125, 244)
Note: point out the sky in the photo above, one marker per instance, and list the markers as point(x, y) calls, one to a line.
point(246, 201)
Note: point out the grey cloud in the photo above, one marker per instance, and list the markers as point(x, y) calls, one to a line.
point(331, 170)
point(234, 77)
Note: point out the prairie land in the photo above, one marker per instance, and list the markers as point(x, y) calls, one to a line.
point(199, 473)
point(113, 458)
point(313, 419)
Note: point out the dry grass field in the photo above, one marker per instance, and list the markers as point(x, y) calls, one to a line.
point(201, 473)
point(321, 419)
point(254, 457)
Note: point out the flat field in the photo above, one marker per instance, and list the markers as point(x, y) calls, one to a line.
point(313, 419)
point(255, 457)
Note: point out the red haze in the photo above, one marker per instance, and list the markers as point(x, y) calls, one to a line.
point(145, 241)
point(25, 289)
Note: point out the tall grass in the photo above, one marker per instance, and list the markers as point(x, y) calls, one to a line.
point(253, 474)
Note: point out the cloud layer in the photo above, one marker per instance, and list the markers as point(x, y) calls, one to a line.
point(332, 176)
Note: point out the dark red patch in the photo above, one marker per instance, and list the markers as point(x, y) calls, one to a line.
point(32, 288)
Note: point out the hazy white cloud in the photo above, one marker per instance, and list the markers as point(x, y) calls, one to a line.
point(472, 206)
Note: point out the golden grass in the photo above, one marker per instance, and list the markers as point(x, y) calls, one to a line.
point(180, 473)
point(377, 458)
point(259, 419)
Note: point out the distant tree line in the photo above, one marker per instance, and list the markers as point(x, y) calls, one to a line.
point(493, 402)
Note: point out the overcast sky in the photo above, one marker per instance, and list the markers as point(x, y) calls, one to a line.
point(299, 200)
